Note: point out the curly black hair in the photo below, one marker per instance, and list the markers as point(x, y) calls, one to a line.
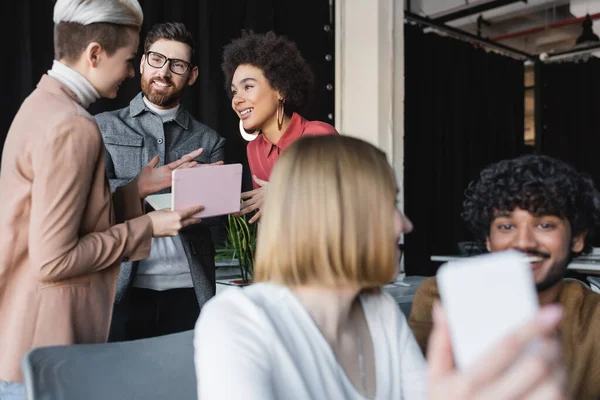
point(281, 62)
point(538, 184)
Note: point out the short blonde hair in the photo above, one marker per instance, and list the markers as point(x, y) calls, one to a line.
point(328, 217)
point(86, 12)
point(81, 22)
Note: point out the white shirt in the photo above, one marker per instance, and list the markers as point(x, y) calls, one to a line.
point(261, 343)
point(167, 267)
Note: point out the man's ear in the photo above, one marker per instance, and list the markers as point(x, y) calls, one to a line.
point(142, 63)
point(578, 243)
point(93, 54)
point(193, 75)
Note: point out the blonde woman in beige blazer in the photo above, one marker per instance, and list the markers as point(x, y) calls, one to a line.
point(62, 234)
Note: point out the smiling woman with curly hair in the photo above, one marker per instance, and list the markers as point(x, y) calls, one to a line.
point(269, 83)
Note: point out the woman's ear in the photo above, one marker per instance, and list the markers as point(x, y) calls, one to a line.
point(93, 54)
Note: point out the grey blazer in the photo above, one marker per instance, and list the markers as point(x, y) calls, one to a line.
point(132, 137)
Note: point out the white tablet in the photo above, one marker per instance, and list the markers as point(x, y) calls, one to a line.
point(217, 187)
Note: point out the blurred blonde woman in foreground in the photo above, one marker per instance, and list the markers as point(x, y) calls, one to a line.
point(316, 325)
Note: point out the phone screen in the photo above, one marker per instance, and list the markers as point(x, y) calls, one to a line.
point(485, 298)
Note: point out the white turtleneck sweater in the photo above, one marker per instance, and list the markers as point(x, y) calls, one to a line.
point(77, 83)
point(165, 115)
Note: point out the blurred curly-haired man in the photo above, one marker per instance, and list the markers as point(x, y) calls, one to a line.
point(542, 207)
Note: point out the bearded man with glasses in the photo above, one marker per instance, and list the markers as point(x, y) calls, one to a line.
point(164, 293)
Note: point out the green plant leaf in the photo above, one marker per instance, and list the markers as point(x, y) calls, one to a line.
point(242, 238)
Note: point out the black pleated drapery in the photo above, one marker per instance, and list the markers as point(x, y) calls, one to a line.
point(571, 114)
point(464, 109)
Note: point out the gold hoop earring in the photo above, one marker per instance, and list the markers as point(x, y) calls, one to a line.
point(280, 123)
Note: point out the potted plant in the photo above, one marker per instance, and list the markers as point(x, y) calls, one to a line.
point(242, 239)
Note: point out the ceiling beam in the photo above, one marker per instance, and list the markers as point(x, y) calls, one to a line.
point(577, 51)
point(544, 27)
point(475, 8)
point(466, 36)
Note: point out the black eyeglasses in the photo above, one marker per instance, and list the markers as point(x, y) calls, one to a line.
point(157, 60)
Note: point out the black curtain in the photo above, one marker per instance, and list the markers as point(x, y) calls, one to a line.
point(464, 109)
point(28, 53)
point(571, 114)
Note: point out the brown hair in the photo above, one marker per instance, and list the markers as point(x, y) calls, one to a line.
point(328, 216)
point(71, 38)
point(175, 31)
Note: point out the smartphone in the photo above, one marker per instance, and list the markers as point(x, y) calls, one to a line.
point(485, 298)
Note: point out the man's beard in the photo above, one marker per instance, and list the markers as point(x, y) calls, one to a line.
point(555, 274)
point(161, 100)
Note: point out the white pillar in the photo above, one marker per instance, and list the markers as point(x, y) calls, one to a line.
point(369, 76)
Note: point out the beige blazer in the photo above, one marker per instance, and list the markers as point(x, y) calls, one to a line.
point(60, 249)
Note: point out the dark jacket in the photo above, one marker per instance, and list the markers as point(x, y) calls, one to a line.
point(133, 136)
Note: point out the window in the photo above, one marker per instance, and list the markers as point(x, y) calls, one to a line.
point(529, 106)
